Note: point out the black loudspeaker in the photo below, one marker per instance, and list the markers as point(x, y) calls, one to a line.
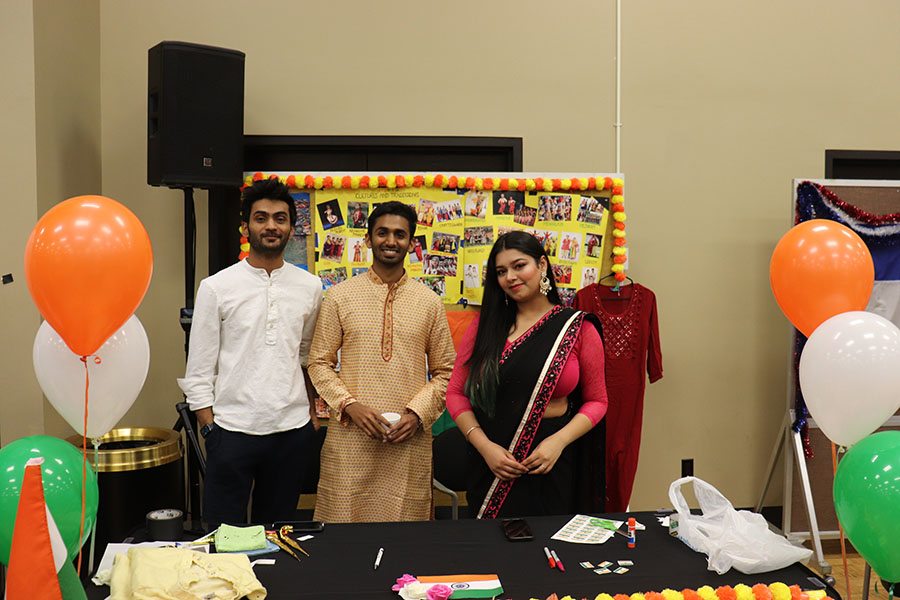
point(195, 116)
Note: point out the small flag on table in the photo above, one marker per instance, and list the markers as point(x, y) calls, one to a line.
point(467, 586)
point(38, 552)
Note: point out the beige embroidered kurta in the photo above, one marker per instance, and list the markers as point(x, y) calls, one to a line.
point(385, 334)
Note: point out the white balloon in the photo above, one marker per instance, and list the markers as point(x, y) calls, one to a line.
point(115, 380)
point(850, 375)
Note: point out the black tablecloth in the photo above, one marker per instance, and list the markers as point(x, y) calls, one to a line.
point(342, 557)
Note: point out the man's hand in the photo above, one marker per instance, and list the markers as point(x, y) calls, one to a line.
point(404, 429)
point(369, 421)
point(204, 416)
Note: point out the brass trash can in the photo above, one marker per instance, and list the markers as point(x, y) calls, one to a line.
point(138, 470)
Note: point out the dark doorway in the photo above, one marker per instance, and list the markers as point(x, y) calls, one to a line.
point(862, 164)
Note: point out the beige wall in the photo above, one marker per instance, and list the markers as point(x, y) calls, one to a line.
point(21, 411)
point(67, 107)
point(724, 103)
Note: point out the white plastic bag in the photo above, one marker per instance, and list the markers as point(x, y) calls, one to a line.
point(731, 538)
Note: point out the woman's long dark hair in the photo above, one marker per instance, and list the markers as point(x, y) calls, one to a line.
point(498, 314)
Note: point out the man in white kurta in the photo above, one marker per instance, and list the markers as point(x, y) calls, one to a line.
point(251, 332)
point(392, 333)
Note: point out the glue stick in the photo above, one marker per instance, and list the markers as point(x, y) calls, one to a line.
point(631, 530)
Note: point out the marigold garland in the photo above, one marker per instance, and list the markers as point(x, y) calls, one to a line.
point(439, 180)
point(775, 591)
point(743, 592)
point(761, 591)
point(690, 594)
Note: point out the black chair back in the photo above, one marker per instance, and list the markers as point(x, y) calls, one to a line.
point(450, 452)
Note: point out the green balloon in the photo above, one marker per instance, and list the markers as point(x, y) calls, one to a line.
point(867, 500)
point(62, 478)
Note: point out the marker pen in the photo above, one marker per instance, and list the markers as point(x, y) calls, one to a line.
point(558, 562)
point(550, 560)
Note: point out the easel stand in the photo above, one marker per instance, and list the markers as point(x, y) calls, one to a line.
point(791, 438)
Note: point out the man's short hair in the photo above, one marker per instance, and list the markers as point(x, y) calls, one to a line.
point(393, 208)
point(267, 189)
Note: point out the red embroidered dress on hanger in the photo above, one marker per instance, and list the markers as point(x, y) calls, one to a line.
point(631, 343)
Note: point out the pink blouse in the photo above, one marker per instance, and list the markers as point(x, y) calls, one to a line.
point(585, 365)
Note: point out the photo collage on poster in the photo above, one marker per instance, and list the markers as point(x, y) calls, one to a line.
point(296, 250)
point(570, 226)
point(455, 230)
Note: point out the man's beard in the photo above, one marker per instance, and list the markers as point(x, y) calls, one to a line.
point(261, 249)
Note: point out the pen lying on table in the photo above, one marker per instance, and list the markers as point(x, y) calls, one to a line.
point(558, 562)
point(550, 560)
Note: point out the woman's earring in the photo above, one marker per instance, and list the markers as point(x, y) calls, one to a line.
point(506, 299)
point(545, 283)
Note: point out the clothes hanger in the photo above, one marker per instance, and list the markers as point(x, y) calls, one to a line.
point(617, 289)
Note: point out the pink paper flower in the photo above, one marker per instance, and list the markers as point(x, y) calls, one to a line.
point(403, 581)
point(439, 592)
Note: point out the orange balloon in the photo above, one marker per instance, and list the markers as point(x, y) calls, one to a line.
point(820, 269)
point(88, 264)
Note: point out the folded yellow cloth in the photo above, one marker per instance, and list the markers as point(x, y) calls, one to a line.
point(239, 539)
point(181, 574)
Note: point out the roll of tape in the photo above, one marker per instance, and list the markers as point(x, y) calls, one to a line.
point(165, 525)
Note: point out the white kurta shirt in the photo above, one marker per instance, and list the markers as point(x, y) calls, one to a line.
point(250, 335)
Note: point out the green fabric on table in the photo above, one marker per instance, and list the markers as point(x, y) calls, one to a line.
point(238, 539)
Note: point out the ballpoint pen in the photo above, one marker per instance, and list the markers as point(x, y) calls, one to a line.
point(378, 559)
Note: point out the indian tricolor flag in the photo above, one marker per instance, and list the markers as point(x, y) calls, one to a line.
point(37, 557)
point(467, 586)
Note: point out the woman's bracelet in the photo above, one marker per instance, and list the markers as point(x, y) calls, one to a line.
point(470, 430)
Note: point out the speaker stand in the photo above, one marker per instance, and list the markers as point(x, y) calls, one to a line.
point(187, 420)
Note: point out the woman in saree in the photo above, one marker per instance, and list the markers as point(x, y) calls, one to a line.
point(528, 382)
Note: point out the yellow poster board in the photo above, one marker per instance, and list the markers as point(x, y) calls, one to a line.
point(458, 225)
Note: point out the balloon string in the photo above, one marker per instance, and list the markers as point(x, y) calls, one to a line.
point(840, 528)
point(87, 385)
point(891, 592)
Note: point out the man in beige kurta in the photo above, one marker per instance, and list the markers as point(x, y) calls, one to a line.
point(390, 336)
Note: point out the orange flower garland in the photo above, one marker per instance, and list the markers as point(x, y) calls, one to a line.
point(775, 591)
point(617, 206)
